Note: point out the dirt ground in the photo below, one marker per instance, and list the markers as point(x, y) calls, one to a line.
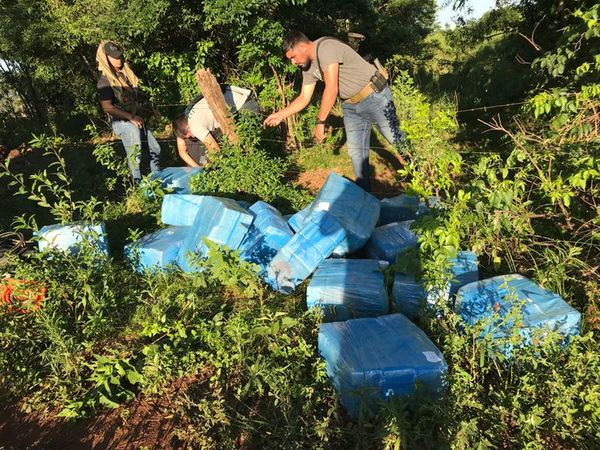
point(146, 422)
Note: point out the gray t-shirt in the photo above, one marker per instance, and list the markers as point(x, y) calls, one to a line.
point(354, 72)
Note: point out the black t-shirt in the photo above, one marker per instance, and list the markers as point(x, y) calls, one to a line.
point(105, 92)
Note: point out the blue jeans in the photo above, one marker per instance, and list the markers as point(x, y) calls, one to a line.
point(135, 140)
point(377, 109)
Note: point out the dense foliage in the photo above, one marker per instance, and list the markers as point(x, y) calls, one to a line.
point(524, 196)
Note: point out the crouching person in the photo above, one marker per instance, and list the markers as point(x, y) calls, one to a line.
point(197, 130)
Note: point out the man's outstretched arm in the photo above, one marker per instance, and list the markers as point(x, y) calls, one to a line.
point(297, 105)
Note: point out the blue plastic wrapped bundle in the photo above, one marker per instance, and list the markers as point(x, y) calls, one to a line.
point(389, 240)
point(268, 233)
point(409, 294)
point(373, 359)
point(400, 208)
point(297, 220)
point(222, 221)
point(354, 208)
point(541, 308)
point(157, 250)
point(72, 237)
point(465, 270)
point(176, 178)
point(304, 252)
point(180, 210)
point(348, 288)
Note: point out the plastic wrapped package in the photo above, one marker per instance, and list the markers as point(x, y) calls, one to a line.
point(370, 360)
point(297, 220)
point(540, 308)
point(389, 240)
point(409, 294)
point(156, 250)
point(400, 208)
point(348, 288)
point(222, 221)
point(465, 270)
point(267, 235)
point(70, 238)
point(180, 210)
point(297, 259)
point(176, 178)
point(355, 209)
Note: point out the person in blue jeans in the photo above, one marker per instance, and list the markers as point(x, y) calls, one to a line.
point(121, 98)
point(367, 99)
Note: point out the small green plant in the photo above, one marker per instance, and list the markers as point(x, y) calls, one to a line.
point(114, 380)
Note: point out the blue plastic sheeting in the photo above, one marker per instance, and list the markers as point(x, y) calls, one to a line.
point(222, 221)
point(156, 250)
point(180, 210)
point(348, 288)
point(400, 208)
point(370, 360)
point(541, 308)
point(409, 295)
point(304, 252)
point(389, 240)
point(355, 209)
point(72, 237)
point(297, 220)
point(268, 234)
point(176, 178)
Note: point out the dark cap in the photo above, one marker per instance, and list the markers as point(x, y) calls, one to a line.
point(111, 49)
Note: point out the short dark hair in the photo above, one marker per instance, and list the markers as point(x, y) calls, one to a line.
point(179, 125)
point(293, 38)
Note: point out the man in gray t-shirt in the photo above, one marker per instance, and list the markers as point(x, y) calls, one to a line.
point(367, 99)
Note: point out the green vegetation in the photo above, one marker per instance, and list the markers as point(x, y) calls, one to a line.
point(524, 196)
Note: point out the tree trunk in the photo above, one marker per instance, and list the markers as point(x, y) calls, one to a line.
point(290, 135)
point(213, 95)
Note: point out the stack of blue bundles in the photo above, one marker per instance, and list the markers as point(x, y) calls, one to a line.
point(72, 237)
point(222, 221)
point(267, 235)
point(389, 240)
point(180, 210)
point(373, 359)
point(400, 208)
point(304, 252)
point(176, 178)
point(348, 288)
point(156, 250)
point(409, 294)
point(355, 209)
point(540, 307)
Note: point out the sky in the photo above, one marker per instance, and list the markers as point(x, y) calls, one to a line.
point(444, 15)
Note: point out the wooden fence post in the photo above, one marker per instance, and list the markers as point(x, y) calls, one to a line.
point(212, 93)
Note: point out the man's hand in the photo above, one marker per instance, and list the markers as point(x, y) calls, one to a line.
point(274, 119)
point(137, 121)
point(319, 132)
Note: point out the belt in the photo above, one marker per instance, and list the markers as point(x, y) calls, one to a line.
point(364, 92)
